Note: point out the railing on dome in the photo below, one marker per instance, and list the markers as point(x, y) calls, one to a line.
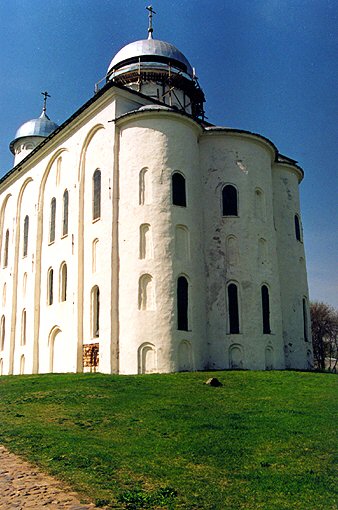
point(168, 75)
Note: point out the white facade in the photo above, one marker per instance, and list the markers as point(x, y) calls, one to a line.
point(132, 279)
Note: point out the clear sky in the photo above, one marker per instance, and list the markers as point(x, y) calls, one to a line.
point(268, 66)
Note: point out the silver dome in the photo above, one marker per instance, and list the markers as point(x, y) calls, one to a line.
point(150, 48)
point(41, 127)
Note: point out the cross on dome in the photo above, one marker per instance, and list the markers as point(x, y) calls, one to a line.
point(150, 16)
point(45, 95)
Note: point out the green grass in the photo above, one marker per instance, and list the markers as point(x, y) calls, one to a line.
point(264, 440)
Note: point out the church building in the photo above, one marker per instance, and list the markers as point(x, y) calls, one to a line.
point(137, 237)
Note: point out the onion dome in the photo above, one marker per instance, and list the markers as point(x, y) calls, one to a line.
point(41, 127)
point(159, 70)
point(150, 50)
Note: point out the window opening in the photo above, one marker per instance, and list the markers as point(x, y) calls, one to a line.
point(297, 228)
point(50, 287)
point(6, 249)
point(229, 201)
point(25, 236)
point(182, 303)
point(63, 282)
point(52, 220)
point(65, 213)
point(178, 190)
point(96, 195)
point(233, 309)
point(265, 310)
point(95, 312)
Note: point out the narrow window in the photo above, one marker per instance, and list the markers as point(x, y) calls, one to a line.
point(178, 190)
point(233, 309)
point(65, 213)
point(25, 236)
point(23, 327)
point(22, 364)
point(297, 228)
point(94, 255)
point(182, 242)
point(146, 247)
point(144, 187)
point(96, 195)
point(95, 312)
point(2, 333)
point(259, 204)
point(265, 310)
point(6, 249)
point(305, 322)
point(50, 276)
point(229, 201)
point(63, 282)
point(182, 303)
point(146, 300)
point(52, 220)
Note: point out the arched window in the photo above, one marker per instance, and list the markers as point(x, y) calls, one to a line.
point(305, 320)
point(297, 228)
point(94, 255)
point(23, 327)
point(50, 276)
point(144, 187)
point(259, 204)
point(5, 264)
point(25, 236)
point(233, 311)
point(22, 364)
point(265, 310)
point(182, 248)
point(95, 302)
point(229, 201)
point(178, 190)
point(96, 195)
point(182, 303)
point(146, 300)
point(146, 245)
point(52, 220)
point(65, 213)
point(2, 332)
point(63, 282)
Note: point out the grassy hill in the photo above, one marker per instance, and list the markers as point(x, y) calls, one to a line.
point(264, 440)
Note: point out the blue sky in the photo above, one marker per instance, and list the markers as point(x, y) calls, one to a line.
point(269, 66)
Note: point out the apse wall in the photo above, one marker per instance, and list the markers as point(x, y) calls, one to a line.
point(160, 248)
point(291, 266)
point(240, 252)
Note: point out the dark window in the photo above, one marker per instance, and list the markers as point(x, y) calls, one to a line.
point(297, 228)
point(52, 220)
point(50, 287)
point(95, 312)
point(6, 249)
point(305, 325)
point(229, 201)
point(178, 190)
point(233, 309)
point(25, 236)
point(265, 310)
point(65, 213)
point(182, 303)
point(2, 333)
point(96, 195)
point(63, 282)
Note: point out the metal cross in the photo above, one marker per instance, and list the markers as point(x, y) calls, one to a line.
point(45, 95)
point(150, 28)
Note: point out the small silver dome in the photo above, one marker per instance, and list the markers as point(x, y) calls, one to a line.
point(41, 127)
point(150, 48)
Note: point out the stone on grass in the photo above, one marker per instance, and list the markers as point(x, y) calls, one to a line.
point(213, 381)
